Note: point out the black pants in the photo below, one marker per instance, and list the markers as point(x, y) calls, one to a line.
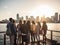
point(24, 39)
point(15, 39)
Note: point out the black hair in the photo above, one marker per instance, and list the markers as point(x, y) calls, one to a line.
point(28, 22)
point(13, 21)
point(10, 19)
point(33, 22)
point(20, 21)
point(24, 21)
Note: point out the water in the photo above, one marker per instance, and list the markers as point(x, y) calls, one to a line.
point(51, 26)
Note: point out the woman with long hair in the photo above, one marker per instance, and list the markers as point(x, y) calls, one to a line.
point(38, 28)
point(19, 31)
point(44, 29)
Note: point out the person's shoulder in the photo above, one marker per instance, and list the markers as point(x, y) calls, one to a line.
point(8, 23)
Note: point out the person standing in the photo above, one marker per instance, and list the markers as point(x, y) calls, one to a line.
point(15, 32)
point(44, 29)
point(19, 31)
point(24, 32)
point(38, 28)
point(10, 28)
point(33, 31)
point(28, 29)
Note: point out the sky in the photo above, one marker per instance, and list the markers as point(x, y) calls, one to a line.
point(9, 8)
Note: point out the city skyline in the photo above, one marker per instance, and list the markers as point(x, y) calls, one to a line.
point(53, 19)
point(9, 8)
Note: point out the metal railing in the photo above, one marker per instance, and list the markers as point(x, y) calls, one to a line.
point(51, 35)
point(51, 38)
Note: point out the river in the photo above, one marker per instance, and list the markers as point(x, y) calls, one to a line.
point(51, 26)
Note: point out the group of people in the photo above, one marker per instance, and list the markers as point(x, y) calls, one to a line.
point(24, 29)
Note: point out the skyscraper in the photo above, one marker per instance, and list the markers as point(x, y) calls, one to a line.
point(17, 17)
point(37, 19)
point(56, 17)
point(52, 17)
point(59, 17)
point(32, 18)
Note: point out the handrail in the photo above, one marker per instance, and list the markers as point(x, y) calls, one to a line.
point(47, 30)
point(53, 30)
point(3, 32)
point(52, 33)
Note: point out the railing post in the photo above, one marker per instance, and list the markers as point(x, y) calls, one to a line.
point(51, 35)
point(4, 39)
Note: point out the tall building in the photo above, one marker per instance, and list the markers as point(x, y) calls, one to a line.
point(17, 17)
point(52, 17)
point(43, 18)
point(37, 19)
point(26, 18)
point(56, 17)
point(32, 18)
point(59, 17)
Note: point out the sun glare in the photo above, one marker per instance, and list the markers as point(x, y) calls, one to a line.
point(41, 10)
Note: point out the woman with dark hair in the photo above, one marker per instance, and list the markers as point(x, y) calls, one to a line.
point(19, 31)
point(25, 31)
point(28, 26)
point(44, 29)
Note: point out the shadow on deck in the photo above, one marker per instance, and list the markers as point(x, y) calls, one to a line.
point(48, 42)
point(41, 42)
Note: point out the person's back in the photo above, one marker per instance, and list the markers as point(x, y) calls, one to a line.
point(33, 31)
point(14, 27)
point(33, 27)
point(19, 27)
point(14, 31)
point(9, 26)
point(44, 27)
point(19, 31)
point(28, 27)
point(24, 29)
point(38, 27)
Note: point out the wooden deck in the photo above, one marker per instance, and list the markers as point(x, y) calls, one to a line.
point(48, 41)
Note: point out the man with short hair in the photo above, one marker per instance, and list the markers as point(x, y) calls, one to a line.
point(10, 27)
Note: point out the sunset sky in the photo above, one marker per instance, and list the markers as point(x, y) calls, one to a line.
point(9, 8)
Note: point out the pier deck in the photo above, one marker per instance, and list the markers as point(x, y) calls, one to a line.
point(48, 41)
